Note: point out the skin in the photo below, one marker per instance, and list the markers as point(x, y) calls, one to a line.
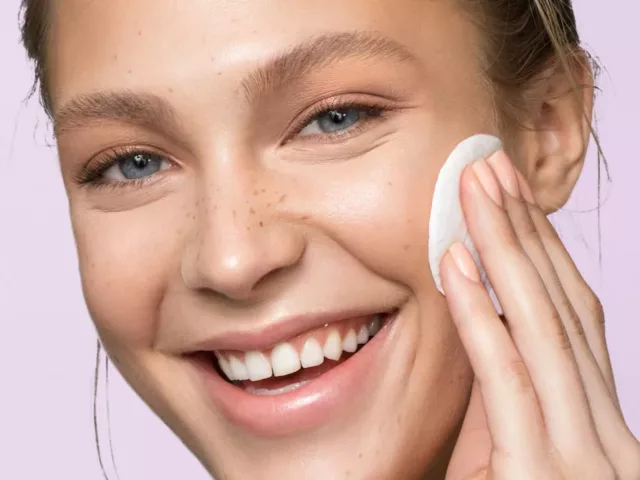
point(266, 222)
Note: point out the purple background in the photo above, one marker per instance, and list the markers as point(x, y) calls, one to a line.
point(47, 342)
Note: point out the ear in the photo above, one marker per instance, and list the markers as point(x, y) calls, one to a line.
point(551, 149)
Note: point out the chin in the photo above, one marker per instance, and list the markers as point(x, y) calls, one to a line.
point(383, 407)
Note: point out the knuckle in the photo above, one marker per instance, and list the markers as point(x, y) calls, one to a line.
point(525, 228)
point(576, 326)
point(517, 375)
point(595, 310)
point(574, 323)
point(594, 304)
point(557, 332)
point(506, 242)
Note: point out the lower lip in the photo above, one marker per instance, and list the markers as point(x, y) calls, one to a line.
point(305, 408)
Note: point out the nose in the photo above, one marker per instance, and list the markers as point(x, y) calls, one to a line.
point(236, 247)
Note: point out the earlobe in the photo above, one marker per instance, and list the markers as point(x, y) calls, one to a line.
point(559, 135)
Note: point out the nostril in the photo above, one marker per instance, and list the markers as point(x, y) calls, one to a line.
point(234, 261)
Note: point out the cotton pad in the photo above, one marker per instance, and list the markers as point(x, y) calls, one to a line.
point(447, 224)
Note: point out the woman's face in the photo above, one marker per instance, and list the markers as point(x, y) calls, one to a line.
point(274, 167)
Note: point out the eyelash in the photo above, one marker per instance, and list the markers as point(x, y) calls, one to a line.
point(92, 174)
point(372, 110)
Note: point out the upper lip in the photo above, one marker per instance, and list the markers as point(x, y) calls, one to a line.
point(278, 331)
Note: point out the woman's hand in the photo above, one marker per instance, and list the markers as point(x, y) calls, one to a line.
point(543, 404)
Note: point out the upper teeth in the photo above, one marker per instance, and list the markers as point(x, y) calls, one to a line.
point(284, 359)
point(312, 354)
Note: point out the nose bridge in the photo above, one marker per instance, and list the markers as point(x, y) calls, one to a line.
point(239, 239)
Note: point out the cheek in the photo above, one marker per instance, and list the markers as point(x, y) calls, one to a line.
point(378, 208)
point(126, 262)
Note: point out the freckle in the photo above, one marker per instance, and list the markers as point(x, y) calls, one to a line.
point(255, 193)
point(170, 90)
point(234, 214)
point(389, 183)
point(406, 247)
point(261, 224)
point(282, 198)
point(129, 72)
point(193, 218)
point(268, 205)
point(305, 217)
point(219, 73)
point(252, 211)
point(360, 455)
point(115, 57)
point(264, 190)
point(139, 32)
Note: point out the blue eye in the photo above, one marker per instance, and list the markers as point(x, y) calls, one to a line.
point(332, 121)
point(134, 166)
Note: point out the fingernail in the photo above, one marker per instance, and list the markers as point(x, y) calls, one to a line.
point(464, 261)
point(488, 180)
point(527, 194)
point(506, 173)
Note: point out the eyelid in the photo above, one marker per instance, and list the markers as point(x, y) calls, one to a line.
point(91, 171)
point(344, 102)
point(102, 161)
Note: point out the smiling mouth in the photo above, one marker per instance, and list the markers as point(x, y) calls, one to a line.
point(294, 363)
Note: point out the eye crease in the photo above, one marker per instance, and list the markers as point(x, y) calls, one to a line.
point(134, 167)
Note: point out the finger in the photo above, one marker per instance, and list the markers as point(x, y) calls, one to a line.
point(518, 211)
point(534, 322)
point(618, 442)
point(582, 298)
point(513, 415)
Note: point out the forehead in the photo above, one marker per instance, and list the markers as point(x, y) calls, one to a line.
point(132, 44)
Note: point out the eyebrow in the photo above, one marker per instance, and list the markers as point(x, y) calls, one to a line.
point(319, 52)
point(124, 106)
point(279, 72)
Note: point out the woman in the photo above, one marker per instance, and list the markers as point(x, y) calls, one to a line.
point(250, 187)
